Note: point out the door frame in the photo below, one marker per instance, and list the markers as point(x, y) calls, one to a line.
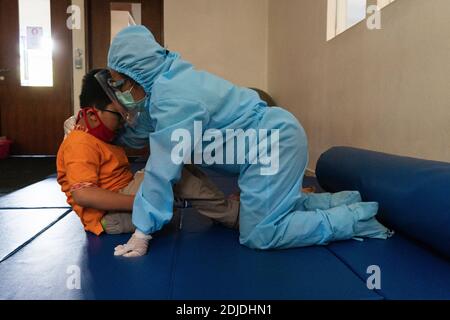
point(88, 24)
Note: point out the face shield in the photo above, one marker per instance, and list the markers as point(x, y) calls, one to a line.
point(111, 89)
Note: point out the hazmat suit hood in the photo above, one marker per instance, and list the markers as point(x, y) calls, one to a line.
point(135, 53)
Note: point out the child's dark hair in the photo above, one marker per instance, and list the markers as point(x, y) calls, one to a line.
point(92, 94)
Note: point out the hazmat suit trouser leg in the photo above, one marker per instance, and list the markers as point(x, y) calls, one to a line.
point(275, 214)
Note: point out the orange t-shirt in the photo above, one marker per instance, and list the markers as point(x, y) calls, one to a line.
point(82, 158)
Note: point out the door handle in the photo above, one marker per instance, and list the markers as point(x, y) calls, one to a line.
point(4, 70)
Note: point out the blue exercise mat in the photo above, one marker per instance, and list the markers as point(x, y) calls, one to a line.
point(212, 265)
point(44, 194)
point(17, 227)
point(47, 268)
point(414, 194)
point(205, 260)
point(408, 270)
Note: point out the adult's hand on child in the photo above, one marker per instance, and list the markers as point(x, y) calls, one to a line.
point(137, 246)
point(69, 125)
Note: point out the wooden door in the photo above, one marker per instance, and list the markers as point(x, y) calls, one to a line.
point(33, 115)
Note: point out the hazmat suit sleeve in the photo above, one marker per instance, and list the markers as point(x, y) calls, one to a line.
point(153, 207)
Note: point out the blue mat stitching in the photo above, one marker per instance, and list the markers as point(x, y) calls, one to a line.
point(174, 259)
point(378, 292)
point(23, 245)
point(174, 262)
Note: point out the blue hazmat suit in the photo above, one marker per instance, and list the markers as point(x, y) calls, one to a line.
point(274, 213)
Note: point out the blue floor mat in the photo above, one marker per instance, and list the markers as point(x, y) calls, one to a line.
point(212, 265)
point(202, 261)
point(19, 226)
point(193, 264)
point(44, 194)
point(408, 270)
point(43, 269)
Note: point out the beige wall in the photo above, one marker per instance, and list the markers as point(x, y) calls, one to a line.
point(225, 37)
point(385, 90)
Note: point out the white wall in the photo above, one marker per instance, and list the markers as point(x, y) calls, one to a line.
point(225, 37)
point(385, 90)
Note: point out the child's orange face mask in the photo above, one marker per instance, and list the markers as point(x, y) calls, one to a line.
point(101, 132)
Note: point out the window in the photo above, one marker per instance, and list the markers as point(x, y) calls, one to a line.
point(36, 45)
point(344, 14)
point(384, 3)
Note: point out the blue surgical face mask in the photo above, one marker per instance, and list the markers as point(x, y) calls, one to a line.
point(127, 100)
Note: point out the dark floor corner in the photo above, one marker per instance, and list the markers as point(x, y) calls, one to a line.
point(17, 173)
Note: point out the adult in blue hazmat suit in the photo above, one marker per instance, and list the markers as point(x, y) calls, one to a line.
point(166, 98)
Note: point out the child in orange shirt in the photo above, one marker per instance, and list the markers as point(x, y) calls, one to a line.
point(97, 180)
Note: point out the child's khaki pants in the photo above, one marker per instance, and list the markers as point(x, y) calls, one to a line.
point(201, 193)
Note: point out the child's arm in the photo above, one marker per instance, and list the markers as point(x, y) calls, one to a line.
point(104, 200)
